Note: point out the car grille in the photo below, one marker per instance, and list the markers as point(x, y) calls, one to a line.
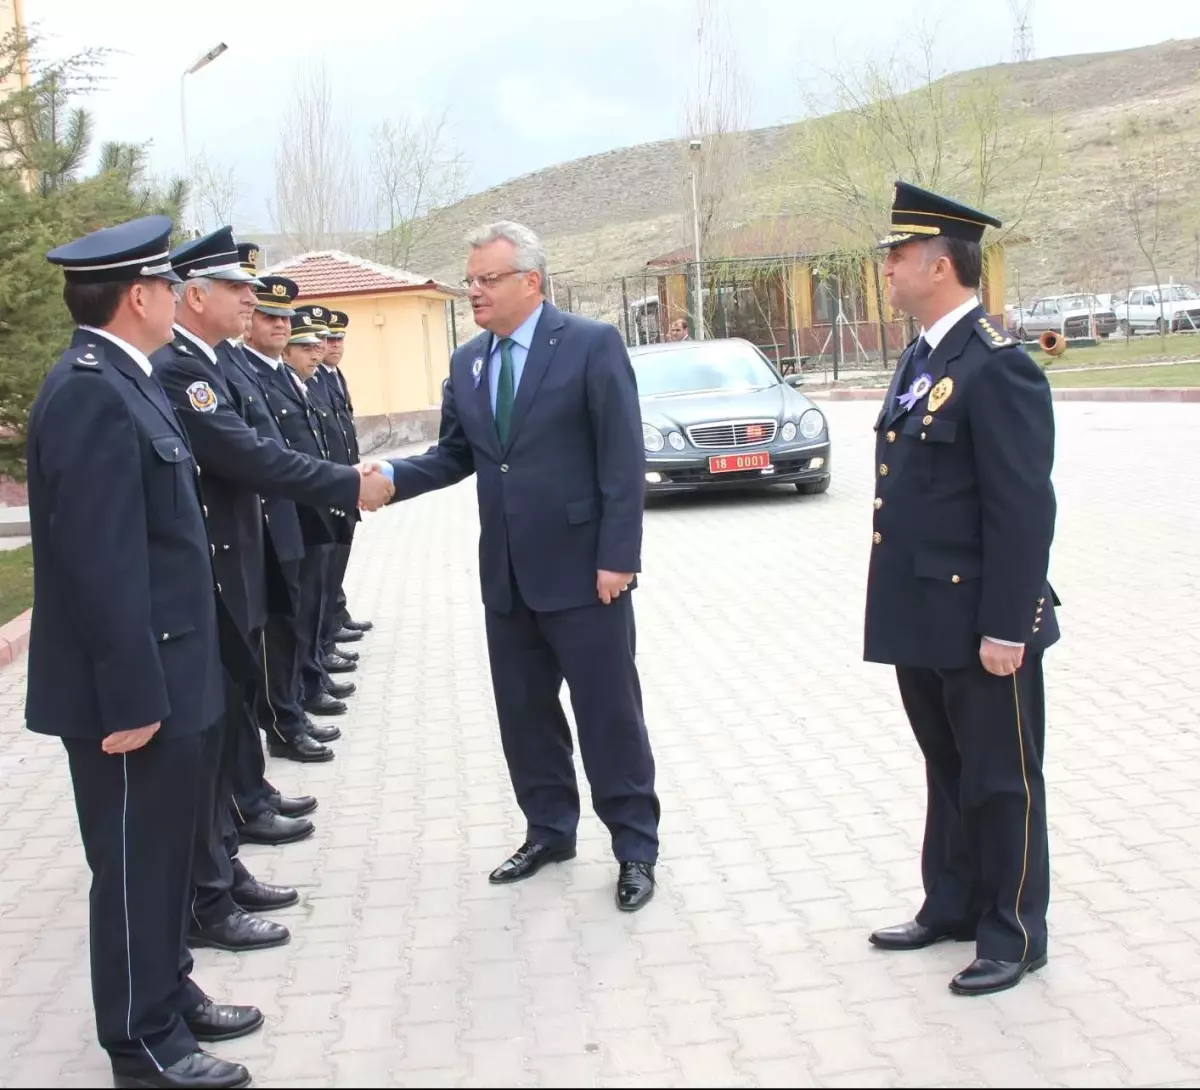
point(742, 433)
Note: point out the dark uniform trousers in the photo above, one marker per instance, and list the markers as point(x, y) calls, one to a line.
point(279, 711)
point(215, 869)
point(985, 861)
point(137, 815)
point(964, 516)
point(316, 571)
point(593, 648)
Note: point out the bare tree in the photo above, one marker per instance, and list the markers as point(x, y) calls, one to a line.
point(215, 191)
point(416, 171)
point(716, 113)
point(318, 191)
point(1142, 181)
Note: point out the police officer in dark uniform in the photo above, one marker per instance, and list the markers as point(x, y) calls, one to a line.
point(344, 451)
point(289, 731)
point(334, 380)
point(275, 819)
point(957, 595)
point(123, 656)
point(214, 303)
point(299, 418)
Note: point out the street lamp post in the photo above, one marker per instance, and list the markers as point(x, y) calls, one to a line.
point(698, 326)
point(202, 62)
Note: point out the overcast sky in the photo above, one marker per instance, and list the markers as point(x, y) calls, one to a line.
point(528, 83)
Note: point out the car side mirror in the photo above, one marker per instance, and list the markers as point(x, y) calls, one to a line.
point(794, 380)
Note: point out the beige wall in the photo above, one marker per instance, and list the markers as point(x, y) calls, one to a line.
point(397, 353)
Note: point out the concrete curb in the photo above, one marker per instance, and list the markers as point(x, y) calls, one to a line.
point(14, 638)
point(1098, 393)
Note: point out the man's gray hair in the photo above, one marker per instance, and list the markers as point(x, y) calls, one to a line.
point(530, 255)
point(204, 283)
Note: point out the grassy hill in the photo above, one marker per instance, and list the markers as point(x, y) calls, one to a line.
point(606, 215)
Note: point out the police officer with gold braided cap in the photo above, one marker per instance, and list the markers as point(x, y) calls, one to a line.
point(123, 657)
point(957, 594)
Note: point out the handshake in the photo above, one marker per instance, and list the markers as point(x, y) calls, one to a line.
point(374, 486)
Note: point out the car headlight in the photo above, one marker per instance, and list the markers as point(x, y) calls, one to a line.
point(812, 423)
point(676, 440)
point(652, 438)
point(788, 432)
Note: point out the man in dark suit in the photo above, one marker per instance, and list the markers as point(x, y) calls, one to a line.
point(543, 409)
point(123, 657)
point(214, 302)
point(957, 595)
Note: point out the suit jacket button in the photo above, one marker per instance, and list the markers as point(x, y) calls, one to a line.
point(166, 636)
point(928, 420)
point(878, 502)
point(956, 579)
point(891, 436)
point(877, 537)
point(883, 471)
point(504, 468)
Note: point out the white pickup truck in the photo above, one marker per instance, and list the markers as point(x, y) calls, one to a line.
point(1180, 309)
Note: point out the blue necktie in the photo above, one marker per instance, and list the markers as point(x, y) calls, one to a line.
point(919, 356)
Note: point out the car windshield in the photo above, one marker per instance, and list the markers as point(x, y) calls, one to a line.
point(1175, 293)
point(700, 369)
point(1079, 302)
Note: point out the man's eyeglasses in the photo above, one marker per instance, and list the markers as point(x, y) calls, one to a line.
point(490, 280)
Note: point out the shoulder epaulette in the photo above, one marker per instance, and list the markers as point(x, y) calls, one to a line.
point(991, 336)
point(88, 358)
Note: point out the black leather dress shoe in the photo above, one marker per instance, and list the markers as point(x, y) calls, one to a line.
point(527, 860)
point(337, 664)
point(239, 932)
point(347, 635)
point(346, 653)
point(251, 895)
point(985, 976)
point(302, 748)
point(324, 705)
point(220, 1022)
point(323, 735)
point(296, 806)
point(196, 1071)
point(916, 936)
point(359, 626)
point(340, 689)
point(635, 886)
point(272, 828)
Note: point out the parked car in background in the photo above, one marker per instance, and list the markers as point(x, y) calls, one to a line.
point(1176, 309)
point(1070, 315)
point(717, 414)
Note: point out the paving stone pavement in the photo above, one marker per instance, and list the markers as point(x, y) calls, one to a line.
point(792, 812)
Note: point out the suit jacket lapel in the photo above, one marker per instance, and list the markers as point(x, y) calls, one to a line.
point(479, 352)
point(147, 385)
point(541, 351)
point(951, 347)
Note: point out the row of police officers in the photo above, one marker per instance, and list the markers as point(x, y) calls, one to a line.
point(194, 488)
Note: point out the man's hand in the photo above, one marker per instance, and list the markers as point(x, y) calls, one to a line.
point(609, 584)
point(126, 741)
point(999, 658)
point(374, 489)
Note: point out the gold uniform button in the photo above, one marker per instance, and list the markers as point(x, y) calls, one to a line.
point(891, 436)
point(878, 502)
point(927, 421)
point(956, 579)
point(877, 537)
point(883, 471)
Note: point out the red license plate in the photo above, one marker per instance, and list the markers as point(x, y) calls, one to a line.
point(734, 463)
